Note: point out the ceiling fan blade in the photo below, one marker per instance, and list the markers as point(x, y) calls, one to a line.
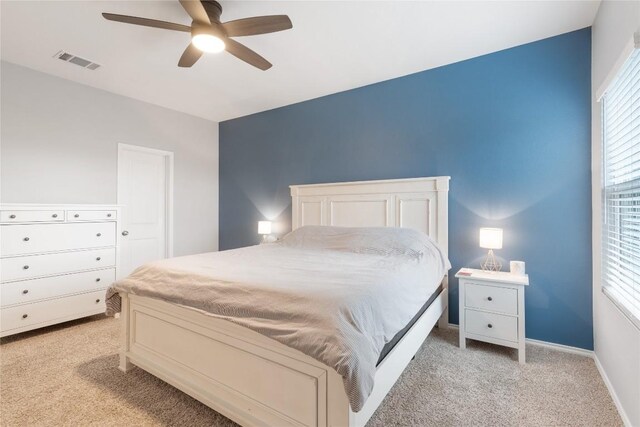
point(195, 10)
point(145, 22)
point(242, 52)
point(189, 57)
point(257, 25)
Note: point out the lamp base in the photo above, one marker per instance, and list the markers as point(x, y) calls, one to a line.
point(268, 238)
point(491, 263)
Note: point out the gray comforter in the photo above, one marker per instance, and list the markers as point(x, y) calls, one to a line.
point(336, 294)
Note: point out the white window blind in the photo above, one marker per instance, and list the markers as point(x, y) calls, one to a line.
point(621, 188)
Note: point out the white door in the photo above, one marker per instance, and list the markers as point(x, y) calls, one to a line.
point(144, 191)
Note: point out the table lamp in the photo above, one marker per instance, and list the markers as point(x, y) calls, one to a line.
point(491, 238)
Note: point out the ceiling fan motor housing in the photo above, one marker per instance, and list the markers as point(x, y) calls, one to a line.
point(213, 9)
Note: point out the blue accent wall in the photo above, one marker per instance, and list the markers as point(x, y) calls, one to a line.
point(512, 129)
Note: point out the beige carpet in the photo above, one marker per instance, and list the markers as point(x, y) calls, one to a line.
point(67, 375)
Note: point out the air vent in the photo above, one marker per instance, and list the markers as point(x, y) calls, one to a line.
point(73, 59)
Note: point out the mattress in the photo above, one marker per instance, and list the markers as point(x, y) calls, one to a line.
point(397, 337)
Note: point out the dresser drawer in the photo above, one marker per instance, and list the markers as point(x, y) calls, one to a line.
point(52, 311)
point(31, 216)
point(491, 325)
point(81, 215)
point(27, 267)
point(35, 238)
point(26, 291)
point(492, 298)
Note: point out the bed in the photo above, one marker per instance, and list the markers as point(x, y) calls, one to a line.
point(247, 373)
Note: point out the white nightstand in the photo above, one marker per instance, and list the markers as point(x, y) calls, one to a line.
point(492, 308)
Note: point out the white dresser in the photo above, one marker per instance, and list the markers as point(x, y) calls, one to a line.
point(56, 262)
point(492, 308)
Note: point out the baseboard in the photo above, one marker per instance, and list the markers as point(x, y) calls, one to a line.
point(612, 392)
point(561, 347)
point(551, 345)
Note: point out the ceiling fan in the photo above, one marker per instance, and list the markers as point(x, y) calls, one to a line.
point(208, 34)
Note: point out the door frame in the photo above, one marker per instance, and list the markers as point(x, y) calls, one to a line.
point(168, 160)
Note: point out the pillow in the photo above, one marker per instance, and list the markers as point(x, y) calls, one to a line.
point(386, 241)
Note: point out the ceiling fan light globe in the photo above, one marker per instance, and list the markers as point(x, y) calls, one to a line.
point(208, 43)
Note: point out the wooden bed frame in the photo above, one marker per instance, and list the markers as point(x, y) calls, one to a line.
point(257, 381)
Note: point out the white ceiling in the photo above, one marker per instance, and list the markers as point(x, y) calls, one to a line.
point(333, 46)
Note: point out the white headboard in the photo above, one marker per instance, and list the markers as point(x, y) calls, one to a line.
point(419, 203)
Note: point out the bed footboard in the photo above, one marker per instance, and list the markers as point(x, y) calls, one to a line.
point(247, 377)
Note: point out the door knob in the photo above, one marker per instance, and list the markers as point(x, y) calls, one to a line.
point(125, 233)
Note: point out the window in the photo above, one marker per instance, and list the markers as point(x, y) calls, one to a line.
point(621, 188)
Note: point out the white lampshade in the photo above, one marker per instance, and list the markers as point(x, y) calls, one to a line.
point(491, 238)
point(264, 227)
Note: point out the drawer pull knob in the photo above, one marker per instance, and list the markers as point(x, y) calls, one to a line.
point(12, 216)
point(76, 216)
point(98, 300)
point(26, 239)
point(125, 233)
point(24, 316)
point(490, 299)
point(54, 215)
point(108, 215)
point(98, 259)
point(26, 267)
point(489, 325)
point(26, 291)
point(99, 234)
point(98, 279)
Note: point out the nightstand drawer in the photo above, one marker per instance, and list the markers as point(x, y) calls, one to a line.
point(492, 298)
point(491, 325)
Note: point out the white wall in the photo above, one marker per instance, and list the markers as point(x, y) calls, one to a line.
point(58, 144)
point(617, 340)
